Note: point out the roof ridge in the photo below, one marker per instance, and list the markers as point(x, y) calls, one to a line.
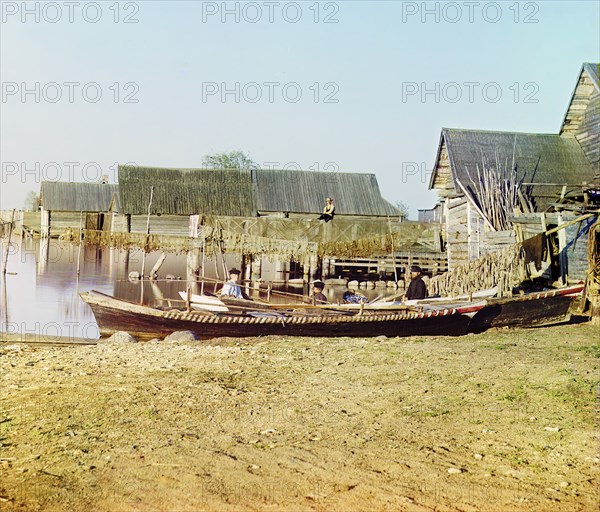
point(499, 131)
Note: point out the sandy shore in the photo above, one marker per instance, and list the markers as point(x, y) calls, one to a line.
point(499, 421)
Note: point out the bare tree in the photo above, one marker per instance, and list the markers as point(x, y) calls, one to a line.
point(403, 208)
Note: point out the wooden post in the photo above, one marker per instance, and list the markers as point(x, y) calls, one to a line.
point(10, 230)
point(313, 266)
point(192, 264)
point(280, 271)
point(325, 267)
point(562, 253)
point(80, 242)
point(188, 299)
point(147, 231)
point(393, 250)
point(203, 264)
point(243, 269)
point(44, 223)
point(4, 326)
point(305, 270)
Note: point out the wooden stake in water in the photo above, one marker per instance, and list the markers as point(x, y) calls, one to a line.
point(80, 242)
point(203, 262)
point(147, 231)
point(10, 230)
point(4, 324)
point(393, 250)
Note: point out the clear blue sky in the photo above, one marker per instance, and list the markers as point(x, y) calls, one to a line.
point(365, 61)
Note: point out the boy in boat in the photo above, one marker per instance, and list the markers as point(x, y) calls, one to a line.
point(231, 288)
point(317, 295)
point(417, 289)
point(352, 297)
point(328, 210)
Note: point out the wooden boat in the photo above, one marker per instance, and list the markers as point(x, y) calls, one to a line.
point(211, 303)
point(146, 322)
point(531, 310)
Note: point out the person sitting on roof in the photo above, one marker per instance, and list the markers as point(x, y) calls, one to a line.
point(328, 210)
point(352, 297)
point(417, 289)
point(231, 288)
point(318, 295)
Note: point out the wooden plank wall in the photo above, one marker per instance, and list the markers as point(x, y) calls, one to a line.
point(119, 223)
point(175, 225)
point(583, 119)
point(457, 236)
point(588, 134)
point(494, 241)
point(61, 221)
point(533, 224)
point(577, 253)
point(443, 174)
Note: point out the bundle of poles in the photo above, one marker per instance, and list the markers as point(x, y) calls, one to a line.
point(499, 190)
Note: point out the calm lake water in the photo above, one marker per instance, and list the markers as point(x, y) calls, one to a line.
point(40, 293)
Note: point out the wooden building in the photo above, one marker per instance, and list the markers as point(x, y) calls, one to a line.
point(278, 205)
point(63, 204)
point(550, 167)
point(582, 119)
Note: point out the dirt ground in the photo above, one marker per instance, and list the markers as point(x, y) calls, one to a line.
point(506, 420)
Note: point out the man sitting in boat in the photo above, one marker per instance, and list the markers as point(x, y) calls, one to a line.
point(231, 288)
point(317, 295)
point(352, 297)
point(416, 289)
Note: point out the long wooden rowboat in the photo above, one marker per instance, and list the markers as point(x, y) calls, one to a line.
point(531, 310)
point(145, 322)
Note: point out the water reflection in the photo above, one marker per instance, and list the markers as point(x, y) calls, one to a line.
point(40, 293)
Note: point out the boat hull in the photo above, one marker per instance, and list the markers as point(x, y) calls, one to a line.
point(146, 323)
point(533, 310)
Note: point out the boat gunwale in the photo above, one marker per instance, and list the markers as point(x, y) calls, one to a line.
point(104, 300)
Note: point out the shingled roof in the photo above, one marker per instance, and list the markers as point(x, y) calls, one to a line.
point(561, 159)
point(245, 193)
point(593, 69)
point(79, 197)
point(305, 192)
point(186, 191)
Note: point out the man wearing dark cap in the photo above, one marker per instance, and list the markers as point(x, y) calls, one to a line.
point(231, 288)
point(318, 295)
point(416, 289)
